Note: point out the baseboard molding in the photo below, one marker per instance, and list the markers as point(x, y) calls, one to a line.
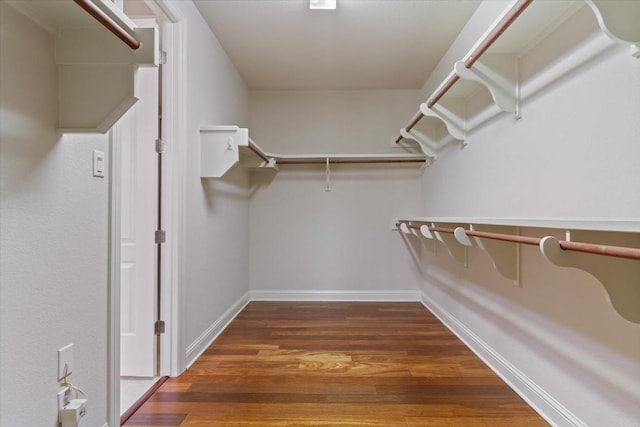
point(335, 295)
point(196, 348)
point(549, 408)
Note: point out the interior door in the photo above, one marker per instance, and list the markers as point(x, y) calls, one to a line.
point(139, 170)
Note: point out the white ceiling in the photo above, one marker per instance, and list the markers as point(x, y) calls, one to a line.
point(363, 44)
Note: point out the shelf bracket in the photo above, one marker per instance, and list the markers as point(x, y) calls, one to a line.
point(421, 234)
point(457, 251)
point(505, 256)
point(427, 145)
point(619, 20)
point(498, 73)
point(404, 228)
point(619, 277)
point(96, 76)
point(452, 115)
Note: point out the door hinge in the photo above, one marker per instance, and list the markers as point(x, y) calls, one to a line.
point(161, 236)
point(159, 327)
point(161, 146)
point(163, 57)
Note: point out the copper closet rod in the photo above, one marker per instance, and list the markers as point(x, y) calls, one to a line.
point(344, 162)
point(108, 23)
point(258, 153)
point(323, 161)
point(506, 23)
point(590, 248)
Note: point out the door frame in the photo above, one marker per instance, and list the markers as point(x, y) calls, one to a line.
point(172, 273)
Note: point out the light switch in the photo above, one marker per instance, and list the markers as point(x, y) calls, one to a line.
point(98, 163)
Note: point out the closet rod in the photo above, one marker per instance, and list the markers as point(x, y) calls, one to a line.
point(257, 152)
point(480, 50)
point(590, 248)
point(473, 57)
point(108, 23)
point(353, 161)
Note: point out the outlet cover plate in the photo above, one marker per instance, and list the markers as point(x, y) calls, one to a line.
point(65, 357)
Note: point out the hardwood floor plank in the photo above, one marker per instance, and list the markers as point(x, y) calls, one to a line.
point(156, 419)
point(344, 421)
point(241, 410)
point(336, 364)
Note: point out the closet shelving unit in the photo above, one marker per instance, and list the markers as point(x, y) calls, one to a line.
point(492, 66)
point(615, 264)
point(97, 48)
point(221, 147)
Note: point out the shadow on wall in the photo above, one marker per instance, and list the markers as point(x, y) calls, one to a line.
point(416, 245)
point(233, 186)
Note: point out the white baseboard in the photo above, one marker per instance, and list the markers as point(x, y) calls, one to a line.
point(335, 295)
point(196, 348)
point(549, 408)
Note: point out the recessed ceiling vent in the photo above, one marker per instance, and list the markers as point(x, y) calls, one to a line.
point(322, 4)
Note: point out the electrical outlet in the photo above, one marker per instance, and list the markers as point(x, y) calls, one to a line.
point(64, 397)
point(65, 361)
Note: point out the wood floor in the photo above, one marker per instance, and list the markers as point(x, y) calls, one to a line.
point(336, 364)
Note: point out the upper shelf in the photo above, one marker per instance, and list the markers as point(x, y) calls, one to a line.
point(497, 63)
point(221, 147)
point(593, 224)
point(95, 68)
point(614, 260)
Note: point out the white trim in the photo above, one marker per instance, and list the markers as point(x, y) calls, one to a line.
point(196, 348)
point(172, 362)
point(549, 408)
point(275, 295)
point(113, 303)
point(172, 251)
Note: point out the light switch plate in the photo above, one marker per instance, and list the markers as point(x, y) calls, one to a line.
point(65, 357)
point(98, 163)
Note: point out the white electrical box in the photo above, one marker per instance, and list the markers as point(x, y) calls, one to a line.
point(74, 414)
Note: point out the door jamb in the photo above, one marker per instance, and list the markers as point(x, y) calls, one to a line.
point(172, 362)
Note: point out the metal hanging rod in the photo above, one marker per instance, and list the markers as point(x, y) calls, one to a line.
point(350, 161)
point(256, 150)
point(322, 159)
point(590, 248)
point(506, 22)
point(108, 23)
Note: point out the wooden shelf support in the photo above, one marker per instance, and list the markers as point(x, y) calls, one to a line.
point(620, 277)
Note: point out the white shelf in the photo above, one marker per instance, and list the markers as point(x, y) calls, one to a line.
point(498, 72)
point(608, 249)
point(221, 147)
point(95, 68)
point(590, 224)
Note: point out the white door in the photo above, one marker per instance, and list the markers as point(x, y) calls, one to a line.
point(138, 131)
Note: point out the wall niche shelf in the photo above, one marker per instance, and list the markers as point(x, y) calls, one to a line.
point(493, 65)
point(95, 68)
point(221, 147)
point(614, 260)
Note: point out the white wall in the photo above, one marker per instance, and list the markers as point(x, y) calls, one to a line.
point(330, 121)
point(574, 154)
point(53, 223)
point(216, 239)
point(309, 243)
